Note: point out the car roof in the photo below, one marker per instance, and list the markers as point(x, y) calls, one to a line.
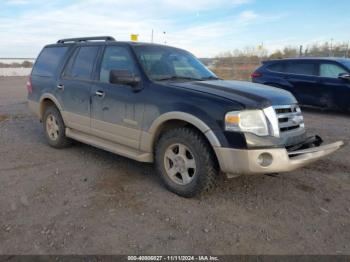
point(130, 43)
point(334, 59)
point(103, 40)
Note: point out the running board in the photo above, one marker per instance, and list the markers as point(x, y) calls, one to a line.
point(109, 146)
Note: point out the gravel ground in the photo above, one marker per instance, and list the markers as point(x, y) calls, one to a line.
point(83, 200)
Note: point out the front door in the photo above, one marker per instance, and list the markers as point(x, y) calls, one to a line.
point(334, 92)
point(117, 109)
point(74, 86)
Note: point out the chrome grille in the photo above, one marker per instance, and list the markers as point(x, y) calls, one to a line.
point(289, 118)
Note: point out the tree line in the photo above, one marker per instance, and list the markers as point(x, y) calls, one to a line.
point(326, 49)
point(25, 64)
point(240, 63)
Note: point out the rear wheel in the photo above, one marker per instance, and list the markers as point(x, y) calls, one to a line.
point(54, 128)
point(185, 162)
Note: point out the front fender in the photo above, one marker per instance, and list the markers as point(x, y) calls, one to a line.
point(148, 138)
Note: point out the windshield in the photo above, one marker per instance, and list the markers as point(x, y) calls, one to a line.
point(165, 63)
point(347, 64)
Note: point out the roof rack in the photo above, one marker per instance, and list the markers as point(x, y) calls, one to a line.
point(86, 39)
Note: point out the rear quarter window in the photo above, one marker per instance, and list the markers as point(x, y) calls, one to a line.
point(48, 61)
point(276, 67)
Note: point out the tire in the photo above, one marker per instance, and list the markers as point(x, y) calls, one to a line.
point(185, 162)
point(54, 128)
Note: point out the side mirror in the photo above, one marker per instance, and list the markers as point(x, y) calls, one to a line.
point(344, 76)
point(123, 77)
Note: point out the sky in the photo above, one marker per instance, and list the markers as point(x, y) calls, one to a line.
point(204, 27)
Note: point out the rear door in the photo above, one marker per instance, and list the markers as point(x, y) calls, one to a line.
point(117, 109)
point(302, 76)
point(274, 75)
point(74, 87)
point(334, 92)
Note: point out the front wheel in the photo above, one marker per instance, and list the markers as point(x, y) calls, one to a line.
point(185, 162)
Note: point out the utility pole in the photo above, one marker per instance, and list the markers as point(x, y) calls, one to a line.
point(152, 37)
point(331, 52)
point(164, 37)
point(347, 50)
point(301, 50)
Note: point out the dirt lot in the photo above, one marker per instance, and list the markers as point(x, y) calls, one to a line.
point(83, 200)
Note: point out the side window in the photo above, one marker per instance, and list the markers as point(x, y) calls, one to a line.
point(276, 67)
point(81, 63)
point(48, 61)
point(116, 58)
point(331, 70)
point(301, 68)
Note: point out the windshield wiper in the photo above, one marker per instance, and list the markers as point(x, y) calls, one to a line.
point(178, 78)
point(210, 78)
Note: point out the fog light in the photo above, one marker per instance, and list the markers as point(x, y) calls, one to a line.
point(265, 159)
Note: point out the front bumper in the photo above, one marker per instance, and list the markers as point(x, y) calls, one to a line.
point(240, 162)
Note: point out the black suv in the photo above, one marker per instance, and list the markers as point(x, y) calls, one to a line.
point(156, 103)
point(321, 82)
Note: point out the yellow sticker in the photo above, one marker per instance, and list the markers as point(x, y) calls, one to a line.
point(134, 37)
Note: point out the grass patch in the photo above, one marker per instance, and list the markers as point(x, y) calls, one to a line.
point(3, 117)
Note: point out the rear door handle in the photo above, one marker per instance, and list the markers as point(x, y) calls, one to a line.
point(100, 93)
point(60, 87)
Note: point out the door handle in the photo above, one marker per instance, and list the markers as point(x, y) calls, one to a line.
point(60, 87)
point(100, 93)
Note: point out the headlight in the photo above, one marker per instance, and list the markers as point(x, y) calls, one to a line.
point(253, 121)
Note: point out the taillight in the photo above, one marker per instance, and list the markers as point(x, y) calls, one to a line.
point(29, 85)
point(255, 75)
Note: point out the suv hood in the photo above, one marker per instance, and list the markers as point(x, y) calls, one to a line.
point(249, 94)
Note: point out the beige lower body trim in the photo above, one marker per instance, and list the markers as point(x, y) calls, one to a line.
point(34, 107)
point(111, 137)
point(75, 121)
point(128, 136)
point(109, 146)
point(146, 141)
point(115, 133)
point(245, 162)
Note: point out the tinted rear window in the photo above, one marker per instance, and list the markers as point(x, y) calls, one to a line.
point(277, 67)
point(301, 68)
point(81, 63)
point(48, 61)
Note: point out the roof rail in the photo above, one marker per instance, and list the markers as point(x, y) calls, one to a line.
point(86, 39)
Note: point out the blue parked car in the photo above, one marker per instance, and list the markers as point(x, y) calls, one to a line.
point(321, 82)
